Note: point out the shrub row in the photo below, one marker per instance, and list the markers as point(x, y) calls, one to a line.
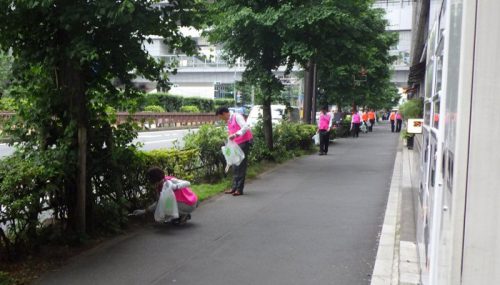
point(173, 103)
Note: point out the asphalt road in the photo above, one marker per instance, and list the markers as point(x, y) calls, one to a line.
point(150, 140)
point(313, 220)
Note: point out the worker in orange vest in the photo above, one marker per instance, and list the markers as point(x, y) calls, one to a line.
point(371, 118)
point(364, 117)
point(392, 118)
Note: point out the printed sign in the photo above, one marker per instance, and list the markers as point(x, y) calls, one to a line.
point(415, 126)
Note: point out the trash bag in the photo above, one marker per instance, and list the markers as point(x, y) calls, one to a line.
point(166, 208)
point(233, 153)
point(316, 139)
point(363, 128)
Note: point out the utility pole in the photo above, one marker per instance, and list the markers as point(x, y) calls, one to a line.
point(234, 88)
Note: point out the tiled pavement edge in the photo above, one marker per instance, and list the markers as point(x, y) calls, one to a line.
point(397, 260)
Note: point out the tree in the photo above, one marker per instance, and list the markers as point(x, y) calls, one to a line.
point(340, 38)
point(250, 30)
point(66, 54)
point(365, 52)
point(5, 72)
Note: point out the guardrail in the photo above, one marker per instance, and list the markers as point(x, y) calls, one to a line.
point(164, 120)
point(154, 120)
point(6, 115)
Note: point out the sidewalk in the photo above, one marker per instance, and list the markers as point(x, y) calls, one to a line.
point(397, 260)
point(313, 220)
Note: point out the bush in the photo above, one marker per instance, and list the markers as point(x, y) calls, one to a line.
point(27, 185)
point(412, 109)
point(208, 141)
point(31, 185)
point(204, 105)
point(223, 103)
point(7, 104)
point(294, 136)
point(288, 138)
point(344, 129)
point(154, 109)
point(190, 109)
point(173, 103)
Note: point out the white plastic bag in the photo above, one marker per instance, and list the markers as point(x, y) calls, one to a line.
point(233, 153)
point(316, 139)
point(166, 208)
point(363, 127)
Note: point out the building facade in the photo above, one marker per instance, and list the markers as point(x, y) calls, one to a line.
point(454, 62)
point(398, 13)
point(206, 75)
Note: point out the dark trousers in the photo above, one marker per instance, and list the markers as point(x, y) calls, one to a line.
point(324, 141)
point(355, 129)
point(392, 126)
point(372, 122)
point(398, 125)
point(240, 171)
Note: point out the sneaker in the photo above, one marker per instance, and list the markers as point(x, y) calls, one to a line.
point(183, 219)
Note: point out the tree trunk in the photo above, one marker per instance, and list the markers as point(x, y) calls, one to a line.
point(267, 123)
point(308, 95)
point(72, 85)
point(81, 188)
point(313, 93)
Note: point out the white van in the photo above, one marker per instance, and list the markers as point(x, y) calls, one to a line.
point(277, 113)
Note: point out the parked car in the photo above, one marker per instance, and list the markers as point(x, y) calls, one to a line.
point(277, 114)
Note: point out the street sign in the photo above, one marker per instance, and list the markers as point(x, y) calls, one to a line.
point(415, 126)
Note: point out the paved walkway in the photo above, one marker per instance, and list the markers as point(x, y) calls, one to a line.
point(314, 220)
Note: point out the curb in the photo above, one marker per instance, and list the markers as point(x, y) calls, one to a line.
point(409, 263)
point(386, 269)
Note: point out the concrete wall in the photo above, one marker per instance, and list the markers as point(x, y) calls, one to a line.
point(202, 90)
point(481, 256)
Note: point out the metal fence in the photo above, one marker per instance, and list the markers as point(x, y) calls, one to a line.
point(153, 120)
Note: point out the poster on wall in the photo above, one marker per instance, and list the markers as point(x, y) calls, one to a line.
point(415, 126)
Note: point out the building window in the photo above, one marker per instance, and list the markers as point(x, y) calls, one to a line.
point(427, 114)
point(435, 119)
point(223, 90)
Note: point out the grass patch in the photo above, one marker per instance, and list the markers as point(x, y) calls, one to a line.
point(205, 190)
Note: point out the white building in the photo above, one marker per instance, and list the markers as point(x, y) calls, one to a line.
point(206, 75)
point(399, 15)
point(456, 157)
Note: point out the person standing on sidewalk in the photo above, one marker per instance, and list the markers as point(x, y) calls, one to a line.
point(355, 123)
point(324, 126)
point(364, 117)
point(240, 133)
point(392, 118)
point(399, 121)
point(372, 119)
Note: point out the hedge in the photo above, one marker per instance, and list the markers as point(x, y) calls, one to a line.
point(190, 109)
point(154, 109)
point(173, 103)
